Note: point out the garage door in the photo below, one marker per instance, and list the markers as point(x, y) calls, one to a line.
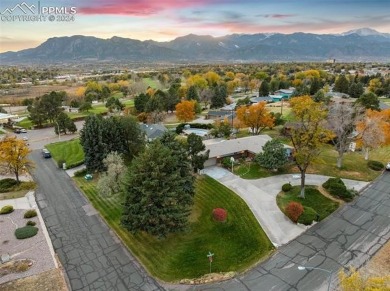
point(210, 162)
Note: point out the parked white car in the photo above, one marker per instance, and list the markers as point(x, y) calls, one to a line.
point(388, 166)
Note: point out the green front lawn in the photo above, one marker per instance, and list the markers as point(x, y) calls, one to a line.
point(237, 244)
point(313, 198)
point(151, 82)
point(354, 165)
point(69, 151)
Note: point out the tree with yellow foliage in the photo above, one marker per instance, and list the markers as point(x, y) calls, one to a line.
point(185, 110)
point(255, 116)
point(13, 154)
point(308, 134)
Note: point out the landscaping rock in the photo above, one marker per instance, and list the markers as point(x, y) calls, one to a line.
point(209, 278)
point(5, 258)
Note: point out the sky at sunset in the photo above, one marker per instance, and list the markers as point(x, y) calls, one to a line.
point(164, 20)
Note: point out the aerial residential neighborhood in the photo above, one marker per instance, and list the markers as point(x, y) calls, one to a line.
point(194, 146)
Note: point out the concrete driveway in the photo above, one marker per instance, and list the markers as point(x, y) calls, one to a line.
point(260, 196)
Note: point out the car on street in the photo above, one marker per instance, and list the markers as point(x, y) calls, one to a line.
point(17, 130)
point(46, 154)
point(23, 130)
point(25, 138)
point(388, 166)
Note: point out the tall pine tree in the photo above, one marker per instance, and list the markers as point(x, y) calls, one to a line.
point(159, 189)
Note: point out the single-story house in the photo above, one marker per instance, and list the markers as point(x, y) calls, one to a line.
point(153, 131)
point(238, 148)
point(267, 99)
point(229, 107)
point(5, 118)
point(286, 93)
point(220, 114)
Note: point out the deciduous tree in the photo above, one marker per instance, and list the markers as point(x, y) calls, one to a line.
point(185, 110)
point(309, 134)
point(255, 116)
point(196, 152)
point(14, 155)
point(110, 182)
point(342, 119)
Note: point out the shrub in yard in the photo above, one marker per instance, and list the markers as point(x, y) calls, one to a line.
point(286, 187)
point(219, 214)
point(26, 232)
point(60, 163)
point(80, 173)
point(375, 165)
point(30, 213)
point(7, 184)
point(294, 210)
point(336, 187)
point(31, 223)
point(6, 209)
point(308, 216)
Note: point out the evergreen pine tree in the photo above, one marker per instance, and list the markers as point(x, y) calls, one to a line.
point(264, 89)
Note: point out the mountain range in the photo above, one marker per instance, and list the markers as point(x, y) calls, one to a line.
point(363, 44)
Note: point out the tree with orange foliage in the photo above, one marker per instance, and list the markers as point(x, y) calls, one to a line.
point(13, 154)
point(374, 130)
point(185, 110)
point(255, 116)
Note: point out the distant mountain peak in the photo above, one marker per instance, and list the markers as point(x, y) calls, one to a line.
point(365, 31)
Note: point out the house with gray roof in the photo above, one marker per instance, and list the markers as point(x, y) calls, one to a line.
point(153, 131)
point(238, 148)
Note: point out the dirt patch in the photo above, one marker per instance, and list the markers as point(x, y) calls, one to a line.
point(16, 266)
point(379, 265)
point(209, 278)
point(49, 280)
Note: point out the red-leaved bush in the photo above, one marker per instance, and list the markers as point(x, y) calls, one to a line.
point(219, 214)
point(294, 210)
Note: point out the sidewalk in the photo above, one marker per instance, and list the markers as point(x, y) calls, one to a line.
point(260, 196)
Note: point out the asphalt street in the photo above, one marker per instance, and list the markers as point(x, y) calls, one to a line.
point(349, 237)
point(93, 257)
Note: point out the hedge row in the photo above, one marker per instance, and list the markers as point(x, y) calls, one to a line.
point(7, 184)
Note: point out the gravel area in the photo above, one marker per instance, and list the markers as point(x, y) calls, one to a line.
point(35, 248)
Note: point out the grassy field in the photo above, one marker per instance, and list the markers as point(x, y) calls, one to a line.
point(313, 198)
point(354, 164)
point(152, 83)
point(69, 151)
point(237, 243)
point(252, 170)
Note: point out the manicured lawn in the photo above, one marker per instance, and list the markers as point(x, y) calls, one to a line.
point(26, 123)
point(252, 170)
point(69, 151)
point(151, 82)
point(129, 103)
point(354, 165)
point(237, 243)
point(313, 198)
point(117, 94)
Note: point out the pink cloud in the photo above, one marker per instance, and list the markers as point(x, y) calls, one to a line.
point(136, 7)
point(278, 16)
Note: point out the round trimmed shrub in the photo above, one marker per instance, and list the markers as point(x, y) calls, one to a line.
point(294, 210)
point(31, 223)
point(30, 213)
point(219, 214)
point(286, 187)
point(375, 165)
point(6, 209)
point(7, 184)
point(26, 232)
point(308, 216)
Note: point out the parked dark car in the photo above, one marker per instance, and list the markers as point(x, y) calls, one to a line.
point(17, 130)
point(46, 154)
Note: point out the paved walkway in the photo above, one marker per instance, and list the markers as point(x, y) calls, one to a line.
point(260, 195)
